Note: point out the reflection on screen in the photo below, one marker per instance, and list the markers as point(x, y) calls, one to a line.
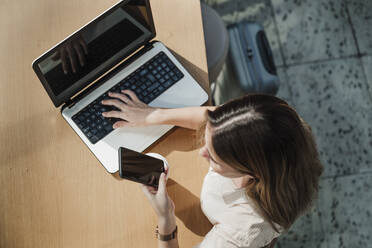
point(95, 47)
point(141, 168)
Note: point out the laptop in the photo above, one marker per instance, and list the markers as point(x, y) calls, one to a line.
point(114, 52)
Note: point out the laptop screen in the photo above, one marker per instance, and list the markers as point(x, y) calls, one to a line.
point(94, 49)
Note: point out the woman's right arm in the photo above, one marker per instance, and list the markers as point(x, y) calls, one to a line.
point(133, 112)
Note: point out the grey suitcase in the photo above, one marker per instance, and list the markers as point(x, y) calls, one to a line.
point(251, 58)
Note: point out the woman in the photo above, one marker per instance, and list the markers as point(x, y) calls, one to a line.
point(264, 167)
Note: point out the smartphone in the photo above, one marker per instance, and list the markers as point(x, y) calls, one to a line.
point(138, 167)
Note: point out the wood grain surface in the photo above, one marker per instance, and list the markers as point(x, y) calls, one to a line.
point(53, 192)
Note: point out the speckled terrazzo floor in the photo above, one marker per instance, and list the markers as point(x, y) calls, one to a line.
point(323, 51)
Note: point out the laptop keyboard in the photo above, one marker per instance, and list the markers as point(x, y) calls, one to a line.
point(148, 82)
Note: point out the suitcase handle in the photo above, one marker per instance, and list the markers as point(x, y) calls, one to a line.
point(265, 52)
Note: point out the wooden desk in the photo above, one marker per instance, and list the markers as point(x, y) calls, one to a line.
point(54, 193)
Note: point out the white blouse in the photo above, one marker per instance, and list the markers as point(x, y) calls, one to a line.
point(236, 222)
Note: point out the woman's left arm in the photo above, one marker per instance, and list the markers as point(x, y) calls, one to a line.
point(164, 209)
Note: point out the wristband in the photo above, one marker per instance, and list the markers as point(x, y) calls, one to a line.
point(166, 237)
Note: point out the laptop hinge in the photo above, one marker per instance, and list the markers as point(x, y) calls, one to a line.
point(70, 102)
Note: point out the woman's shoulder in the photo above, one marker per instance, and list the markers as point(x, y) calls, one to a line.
point(247, 229)
point(243, 223)
point(240, 221)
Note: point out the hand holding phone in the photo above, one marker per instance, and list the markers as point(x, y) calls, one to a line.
point(160, 200)
point(140, 168)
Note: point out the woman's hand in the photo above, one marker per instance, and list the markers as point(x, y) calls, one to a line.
point(132, 111)
point(159, 199)
point(162, 204)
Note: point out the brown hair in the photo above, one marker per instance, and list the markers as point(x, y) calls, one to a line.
point(261, 135)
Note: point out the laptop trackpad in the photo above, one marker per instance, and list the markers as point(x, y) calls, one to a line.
point(135, 138)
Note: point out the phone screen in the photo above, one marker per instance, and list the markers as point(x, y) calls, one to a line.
point(140, 168)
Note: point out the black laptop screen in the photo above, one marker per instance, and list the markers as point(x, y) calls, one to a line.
point(94, 49)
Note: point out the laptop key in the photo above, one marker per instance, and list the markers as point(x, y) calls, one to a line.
point(108, 128)
point(154, 86)
point(138, 91)
point(115, 90)
point(106, 122)
point(179, 74)
point(94, 139)
point(167, 83)
point(170, 64)
point(80, 118)
point(156, 92)
point(143, 72)
point(100, 135)
point(150, 77)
